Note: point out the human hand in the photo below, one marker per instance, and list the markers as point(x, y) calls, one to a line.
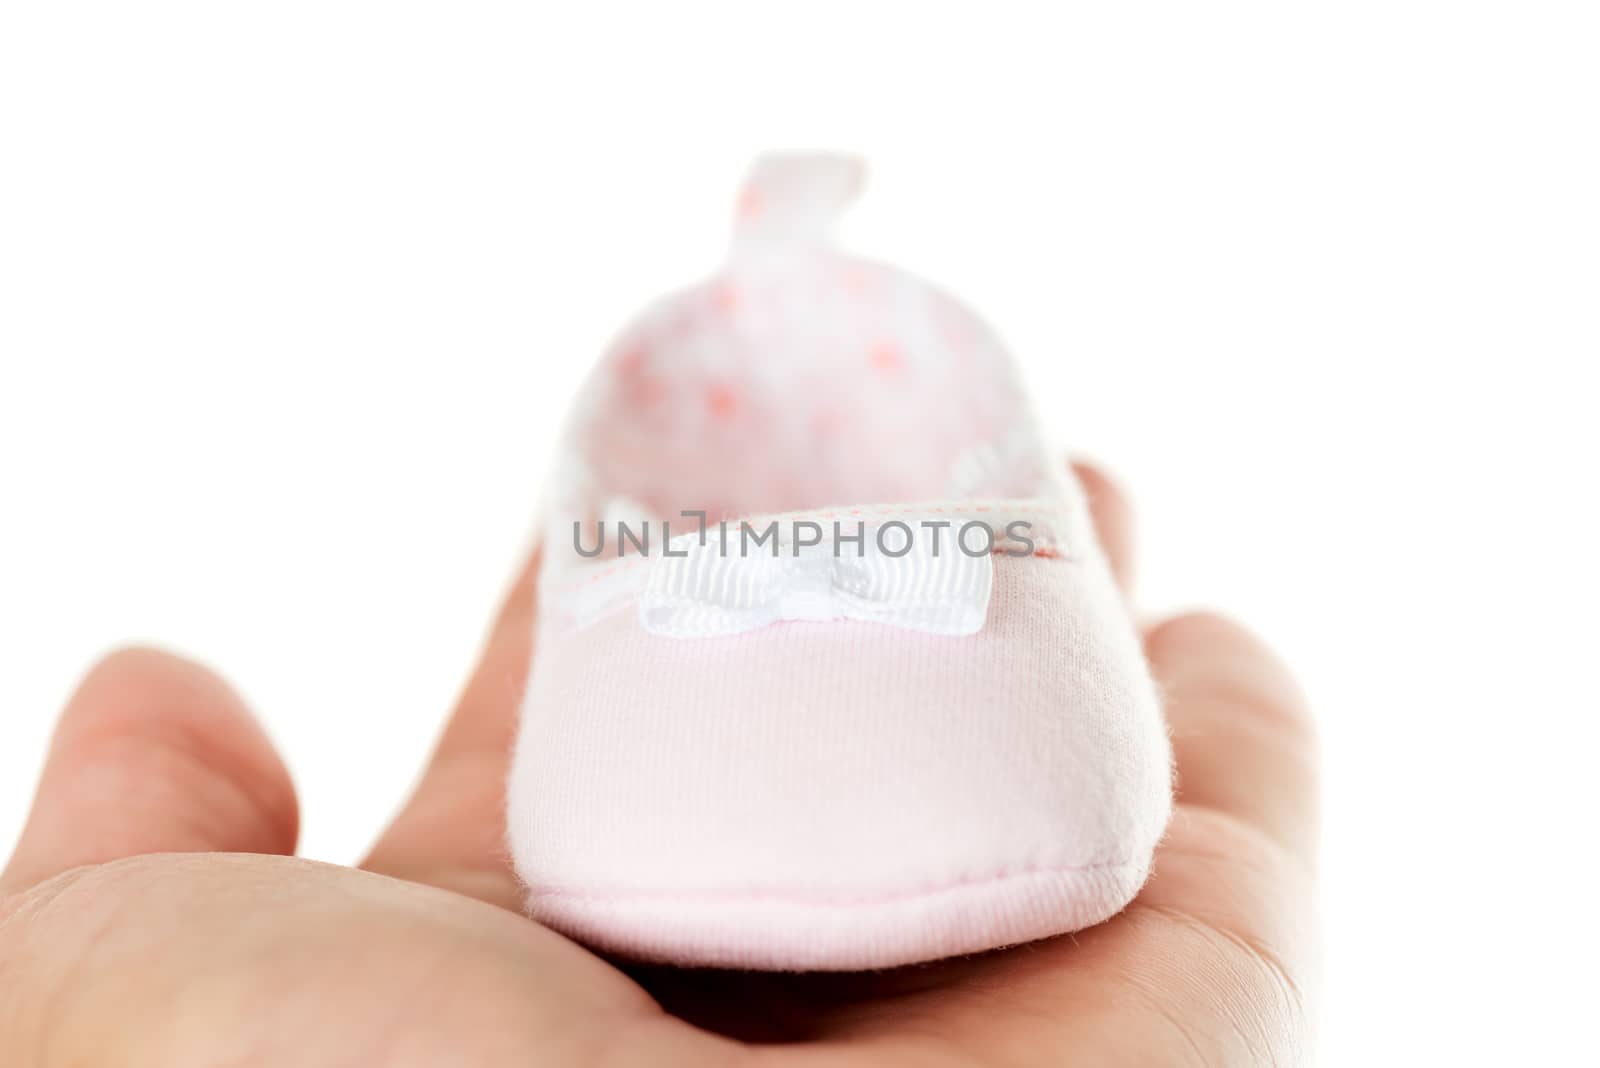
point(153, 914)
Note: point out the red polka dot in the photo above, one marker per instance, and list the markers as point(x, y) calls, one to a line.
point(632, 361)
point(640, 386)
point(887, 358)
point(854, 279)
point(725, 298)
point(722, 400)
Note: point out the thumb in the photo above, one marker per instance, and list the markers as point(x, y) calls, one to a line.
point(153, 754)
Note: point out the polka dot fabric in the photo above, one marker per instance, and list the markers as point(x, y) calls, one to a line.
point(798, 376)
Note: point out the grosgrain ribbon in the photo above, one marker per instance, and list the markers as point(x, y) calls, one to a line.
point(932, 586)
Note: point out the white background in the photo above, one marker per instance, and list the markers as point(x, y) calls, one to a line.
point(292, 297)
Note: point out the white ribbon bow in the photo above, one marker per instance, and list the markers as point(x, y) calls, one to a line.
point(934, 587)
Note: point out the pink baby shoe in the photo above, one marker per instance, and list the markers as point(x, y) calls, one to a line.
point(830, 671)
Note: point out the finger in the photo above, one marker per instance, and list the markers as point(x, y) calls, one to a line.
point(153, 754)
point(1113, 520)
point(451, 833)
point(1241, 732)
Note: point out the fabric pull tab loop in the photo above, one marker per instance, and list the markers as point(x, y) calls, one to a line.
point(792, 200)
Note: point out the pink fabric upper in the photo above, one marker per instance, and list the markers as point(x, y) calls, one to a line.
point(826, 795)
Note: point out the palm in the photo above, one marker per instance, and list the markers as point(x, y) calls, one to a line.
point(429, 959)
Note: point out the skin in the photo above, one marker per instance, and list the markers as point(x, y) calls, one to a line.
point(153, 912)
